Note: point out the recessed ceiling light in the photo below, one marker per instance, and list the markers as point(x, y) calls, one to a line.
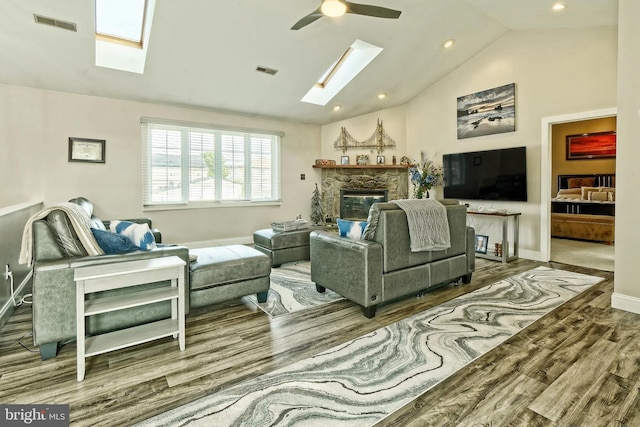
point(382, 95)
point(337, 107)
point(448, 44)
point(559, 6)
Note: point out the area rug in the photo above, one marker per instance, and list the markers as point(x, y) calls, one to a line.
point(292, 290)
point(362, 381)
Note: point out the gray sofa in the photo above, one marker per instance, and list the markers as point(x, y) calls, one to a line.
point(218, 274)
point(382, 268)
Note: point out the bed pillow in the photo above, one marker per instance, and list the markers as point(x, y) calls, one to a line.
point(113, 243)
point(581, 182)
point(351, 229)
point(586, 190)
point(140, 234)
point(598, 196)
point(569, 193)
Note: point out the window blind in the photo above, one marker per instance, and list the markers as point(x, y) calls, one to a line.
point(188, 164)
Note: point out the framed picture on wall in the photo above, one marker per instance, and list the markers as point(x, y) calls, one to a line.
point(86, 150)
point(487, 112)
point(591, 145)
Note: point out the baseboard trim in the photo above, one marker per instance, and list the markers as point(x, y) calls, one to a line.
point(7, 310)
point(625, 302)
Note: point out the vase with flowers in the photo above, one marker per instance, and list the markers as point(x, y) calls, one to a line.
point(424, 176)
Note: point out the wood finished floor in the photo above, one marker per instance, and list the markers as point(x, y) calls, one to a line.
point(577, 366)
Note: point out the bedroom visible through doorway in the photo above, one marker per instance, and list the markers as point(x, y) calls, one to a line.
point(582, 193)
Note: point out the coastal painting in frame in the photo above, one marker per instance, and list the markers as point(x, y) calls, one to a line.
point(488, 112)
point(591, 145)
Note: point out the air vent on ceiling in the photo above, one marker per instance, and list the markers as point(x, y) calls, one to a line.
point(55, 22)
point(266, 70)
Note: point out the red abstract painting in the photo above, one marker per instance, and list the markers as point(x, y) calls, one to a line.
point(591, 145)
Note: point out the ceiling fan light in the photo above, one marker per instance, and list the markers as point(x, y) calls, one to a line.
point(333, 8)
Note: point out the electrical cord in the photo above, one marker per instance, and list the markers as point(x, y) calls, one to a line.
point(8, 275)
point(28, 334)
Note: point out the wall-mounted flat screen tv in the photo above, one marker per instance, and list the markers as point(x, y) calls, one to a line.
point(486, 175)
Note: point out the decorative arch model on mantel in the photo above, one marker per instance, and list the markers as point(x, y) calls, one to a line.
point(379, 140)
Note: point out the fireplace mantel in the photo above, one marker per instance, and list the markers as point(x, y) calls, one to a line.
point(361, 166)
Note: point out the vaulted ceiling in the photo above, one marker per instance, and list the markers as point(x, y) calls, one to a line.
point(204, 53)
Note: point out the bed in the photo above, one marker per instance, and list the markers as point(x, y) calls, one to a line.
point(584, 207)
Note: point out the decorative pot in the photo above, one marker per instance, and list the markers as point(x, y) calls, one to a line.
point(422, 193)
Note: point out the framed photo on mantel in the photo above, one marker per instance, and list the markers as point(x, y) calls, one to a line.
point(86, 150)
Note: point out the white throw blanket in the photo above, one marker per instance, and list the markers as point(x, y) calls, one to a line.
point(79, 220)
point(428, 224)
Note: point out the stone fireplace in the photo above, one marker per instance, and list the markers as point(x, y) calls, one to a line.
point(370, 180)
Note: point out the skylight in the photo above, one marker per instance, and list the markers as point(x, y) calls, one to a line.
point(122, 33)
point(341, 72)
point(120, 19)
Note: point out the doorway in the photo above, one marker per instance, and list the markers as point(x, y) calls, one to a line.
point(546, 169)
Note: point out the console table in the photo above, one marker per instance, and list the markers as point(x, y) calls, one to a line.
point(504, 219)
point(104, 277)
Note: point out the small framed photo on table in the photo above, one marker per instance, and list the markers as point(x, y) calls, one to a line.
point(86, 150)
point(380, 160)
point(481, 243)
point(344, 160)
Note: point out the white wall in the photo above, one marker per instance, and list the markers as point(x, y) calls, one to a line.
point(626, 289)
point(362, 127)
point(36, 125)
point(555, 72)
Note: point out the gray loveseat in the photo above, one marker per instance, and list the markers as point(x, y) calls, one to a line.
point(57, 252)
point(382, 268)
point(218, 274)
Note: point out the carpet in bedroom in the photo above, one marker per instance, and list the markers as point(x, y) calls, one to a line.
point(583, 254)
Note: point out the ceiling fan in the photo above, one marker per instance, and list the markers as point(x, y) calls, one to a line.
point(334, 8)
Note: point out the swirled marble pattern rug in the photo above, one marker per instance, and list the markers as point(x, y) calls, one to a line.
point(292, 290)
point(364, 380)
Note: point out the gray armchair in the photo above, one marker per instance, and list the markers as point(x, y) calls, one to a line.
point(56, 253)
point(383, 268)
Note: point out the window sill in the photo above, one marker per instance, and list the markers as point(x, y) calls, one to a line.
point(209, 205)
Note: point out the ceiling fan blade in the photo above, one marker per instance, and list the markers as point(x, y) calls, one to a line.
point(312, 17)
point(368, 10)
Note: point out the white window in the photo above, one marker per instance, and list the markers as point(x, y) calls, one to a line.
point(197, 165)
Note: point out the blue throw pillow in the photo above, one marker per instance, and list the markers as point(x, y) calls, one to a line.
point(351, 229)
point(140, 234)
point(112, 243)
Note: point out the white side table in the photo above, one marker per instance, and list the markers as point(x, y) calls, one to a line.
point(97, 278)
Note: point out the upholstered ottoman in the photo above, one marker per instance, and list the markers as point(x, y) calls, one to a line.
point(226, 272)
point(283, 246)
